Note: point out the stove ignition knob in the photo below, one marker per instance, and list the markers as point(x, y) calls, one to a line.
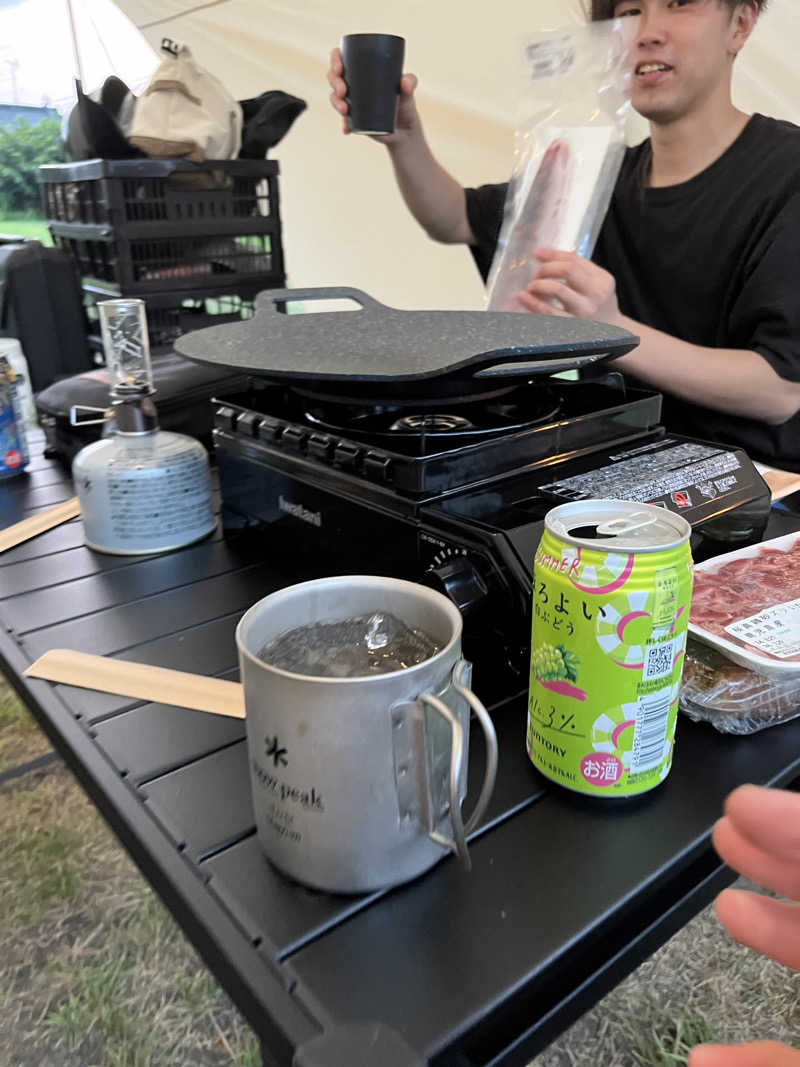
point(459, 579)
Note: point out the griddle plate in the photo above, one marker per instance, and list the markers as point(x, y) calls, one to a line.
point(381, 345)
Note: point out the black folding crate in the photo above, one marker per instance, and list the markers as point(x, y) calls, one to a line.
point(137, 197)
point(171, 314)
point(141, 226)
point(140, 267)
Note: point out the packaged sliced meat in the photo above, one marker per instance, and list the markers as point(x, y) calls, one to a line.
point(746, 604)
point(732, 698)
point(569, 145)
point(538, 225)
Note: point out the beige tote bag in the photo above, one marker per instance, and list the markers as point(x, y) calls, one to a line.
point(186, 112)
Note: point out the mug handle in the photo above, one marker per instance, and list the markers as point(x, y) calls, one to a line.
point(458, 842)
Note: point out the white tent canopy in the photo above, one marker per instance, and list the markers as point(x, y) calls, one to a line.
point(344, 221)
point(36, 60)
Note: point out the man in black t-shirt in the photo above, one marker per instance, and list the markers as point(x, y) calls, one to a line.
point(699, 254)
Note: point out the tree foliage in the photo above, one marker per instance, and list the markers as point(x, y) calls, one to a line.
point(23, 149)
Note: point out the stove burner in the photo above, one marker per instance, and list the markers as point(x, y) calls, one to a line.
point(431, 423)
point(401, 397)
point(402, 424)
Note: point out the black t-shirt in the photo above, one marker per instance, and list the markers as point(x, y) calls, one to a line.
point(714, 261)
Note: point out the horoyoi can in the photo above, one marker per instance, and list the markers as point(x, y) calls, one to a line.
point(612, 587)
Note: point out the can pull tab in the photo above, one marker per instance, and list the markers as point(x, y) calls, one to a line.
point(76, 420)
point(625, 524)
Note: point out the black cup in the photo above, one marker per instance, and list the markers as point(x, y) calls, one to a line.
point(373, 66)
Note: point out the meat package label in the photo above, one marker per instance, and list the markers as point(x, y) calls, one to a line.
point(775, 630)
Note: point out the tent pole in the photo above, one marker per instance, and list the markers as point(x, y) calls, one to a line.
point(76, 54)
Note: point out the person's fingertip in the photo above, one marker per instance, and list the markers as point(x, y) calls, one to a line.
point(704, 1056)
point(741, 791)
point(532, 304)
point(726, 908)
point(719, 827)
point(721, 897)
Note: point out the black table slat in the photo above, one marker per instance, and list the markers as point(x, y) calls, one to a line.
point(206, 804)
point(44, 474)
point(124, 585)
point(517, 783)
point(60, 538)
point(207, 649)
point(91, 705)
point(270, 907)
point(109, 632)
point(285, 915)
point(14, 507)
point(28, 575)
point(155, 738)
point(564, 869)
point(47, 571)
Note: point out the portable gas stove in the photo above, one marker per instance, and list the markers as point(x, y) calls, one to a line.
point(419, 480)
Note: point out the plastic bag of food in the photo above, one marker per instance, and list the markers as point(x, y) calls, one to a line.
point(734, 699)
point(569, 144)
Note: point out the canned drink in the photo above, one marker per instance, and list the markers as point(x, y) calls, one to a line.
point(13, 445)
point(612, 588)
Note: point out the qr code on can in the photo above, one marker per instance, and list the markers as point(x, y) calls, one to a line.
point(657, 661)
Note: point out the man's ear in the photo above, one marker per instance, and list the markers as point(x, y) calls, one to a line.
point(745, 16)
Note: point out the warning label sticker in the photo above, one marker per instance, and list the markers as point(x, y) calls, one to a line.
point(649, 474)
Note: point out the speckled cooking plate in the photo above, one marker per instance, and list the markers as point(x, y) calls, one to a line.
point(376, 350)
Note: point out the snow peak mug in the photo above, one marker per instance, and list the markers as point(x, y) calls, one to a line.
point(358, 781)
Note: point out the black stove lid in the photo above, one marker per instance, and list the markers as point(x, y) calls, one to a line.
point(378, 345)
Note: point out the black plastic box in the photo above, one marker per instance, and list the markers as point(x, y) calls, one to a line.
point(143, 225)
point(163, 196)
point(171, 314)
point(140, 267)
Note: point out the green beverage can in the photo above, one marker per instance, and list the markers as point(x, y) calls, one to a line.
point(612, 588)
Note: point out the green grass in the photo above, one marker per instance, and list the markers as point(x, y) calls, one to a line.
point(669, 1042)
point(139, 999)
point(39, 860)
point(25, 226)
point(21, 739)
point(12, 712)
point(92, 1010)
point(94, 971)
point(20, 747)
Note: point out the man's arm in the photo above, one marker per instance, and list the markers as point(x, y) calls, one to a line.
point(736, 381)
point(435, 199)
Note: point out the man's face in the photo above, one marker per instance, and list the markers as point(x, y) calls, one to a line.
point(682, 54)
